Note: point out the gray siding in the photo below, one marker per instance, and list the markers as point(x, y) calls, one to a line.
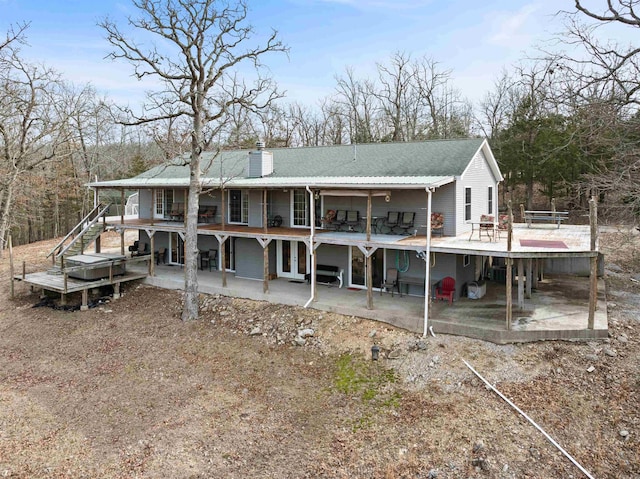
point(249, 258)
point(255, 208)
point(145, 202)
point(334, 255)
point(479, 178)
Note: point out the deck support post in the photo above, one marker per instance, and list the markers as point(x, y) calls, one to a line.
point(152, 263)
point(509, 281)
point(529, 280)
point(122, 221)
point(369, 283)
point(63, 299)
point(369, 216)
point(534, 281)
point(85, 300)
point(11, 266)
point(265, 245)
point(520, 284)
point(593, 273)
point(116, 290)
point(222, 239)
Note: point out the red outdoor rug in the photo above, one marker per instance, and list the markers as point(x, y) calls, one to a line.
point(543, 244)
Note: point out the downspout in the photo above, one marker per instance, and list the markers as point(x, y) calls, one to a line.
point(427, 262)
point(312, 250)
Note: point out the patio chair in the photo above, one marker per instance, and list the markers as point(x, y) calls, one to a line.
point(487, 224)
point(340, 219)
point(161, 255)
point(406, 221)
point(437, 223)
point(177, 212)
point(446, 289)
point(393, 217)
point(353, 220)
point(208, 258)
point(328, 219)
point(503, 225)
point(390, 282)
point(207, 214)
point(133, 249)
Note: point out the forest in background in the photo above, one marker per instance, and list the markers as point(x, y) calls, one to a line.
point(561, 123)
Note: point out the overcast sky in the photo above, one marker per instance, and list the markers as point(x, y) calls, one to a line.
point(475, 39)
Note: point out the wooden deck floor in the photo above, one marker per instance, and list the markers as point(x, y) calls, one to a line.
point(58, 284)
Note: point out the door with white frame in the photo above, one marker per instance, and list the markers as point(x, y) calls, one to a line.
point(358, 268)
point(176, 249)
point(292, 259)
point(163, 202)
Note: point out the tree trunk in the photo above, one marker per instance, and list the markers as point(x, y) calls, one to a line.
point(190, 308)
point(6, 208)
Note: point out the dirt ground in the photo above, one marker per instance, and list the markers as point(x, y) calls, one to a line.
point(127, 390)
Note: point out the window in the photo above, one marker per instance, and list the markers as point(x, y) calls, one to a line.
point(467, 204)
point(164, 203)
point(490, 200)
point(238, 207)
point(300, 206)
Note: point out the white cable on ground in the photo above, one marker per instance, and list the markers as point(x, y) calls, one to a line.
point(549, 438)
point(431, 331)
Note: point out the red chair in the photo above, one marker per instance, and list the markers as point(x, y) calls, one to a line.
point(446, 289)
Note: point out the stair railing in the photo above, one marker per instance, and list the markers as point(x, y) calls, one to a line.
point(78, 231)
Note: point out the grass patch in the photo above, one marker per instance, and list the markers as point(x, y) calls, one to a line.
point(369, 382)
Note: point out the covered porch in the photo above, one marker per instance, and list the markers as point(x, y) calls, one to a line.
point(557, 309)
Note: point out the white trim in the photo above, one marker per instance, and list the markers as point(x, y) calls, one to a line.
point(292, 212)
point(350, 272)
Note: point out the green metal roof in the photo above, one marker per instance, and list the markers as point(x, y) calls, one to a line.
point(384, 161)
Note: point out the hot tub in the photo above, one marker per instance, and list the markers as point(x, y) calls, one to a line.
point(96, 265)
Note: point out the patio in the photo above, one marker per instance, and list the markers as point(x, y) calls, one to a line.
point(558, 309)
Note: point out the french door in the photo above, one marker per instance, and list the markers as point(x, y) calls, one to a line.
point(292, 259)
point(176, 249)
point(358, 268)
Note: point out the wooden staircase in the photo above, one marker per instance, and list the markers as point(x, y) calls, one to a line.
point(83, 235)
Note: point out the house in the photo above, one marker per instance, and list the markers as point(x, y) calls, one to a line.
point(359, 213)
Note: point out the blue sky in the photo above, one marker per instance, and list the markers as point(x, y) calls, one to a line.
point(474, 39)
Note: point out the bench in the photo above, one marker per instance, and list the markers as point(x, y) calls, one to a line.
point(556, 217)
point(327, 274)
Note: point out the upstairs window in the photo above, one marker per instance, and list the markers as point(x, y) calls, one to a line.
point(300, 208)
point(490, 200)
point(238, 207)
point(467, 204)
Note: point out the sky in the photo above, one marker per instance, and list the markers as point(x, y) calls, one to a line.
point(474, 39)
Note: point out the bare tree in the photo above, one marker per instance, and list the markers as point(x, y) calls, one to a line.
point(31, 120)
point(208, 41)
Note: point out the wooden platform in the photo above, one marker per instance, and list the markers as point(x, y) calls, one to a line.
point(60, 282)
point(56, 282)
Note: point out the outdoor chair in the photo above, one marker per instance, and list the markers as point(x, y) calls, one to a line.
point(275, 222)
point(393, 217)
point(177, 212)
point(446, 289)
point(133, 249)
point(208, 258)
point(328, 219)
point(207, 214)
point(390, 282)
point(141, 252)
point(341, 218)
point(487, 225)
point(161, 255)
point(503, 225)
point(406, 221)
point(437, 223)
point(353, 220)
